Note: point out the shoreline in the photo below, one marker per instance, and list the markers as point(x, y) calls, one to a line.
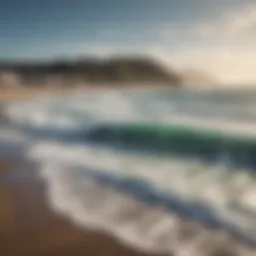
point(29, 227)
point(24, 93)
point(32, 228)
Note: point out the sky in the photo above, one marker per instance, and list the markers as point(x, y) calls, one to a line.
point(213, 36)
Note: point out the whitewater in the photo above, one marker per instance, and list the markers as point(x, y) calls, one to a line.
point(161, 170)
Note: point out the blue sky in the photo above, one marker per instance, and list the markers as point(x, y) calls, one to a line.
point(204, 34)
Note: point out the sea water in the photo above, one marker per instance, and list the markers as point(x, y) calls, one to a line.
point(146, 165)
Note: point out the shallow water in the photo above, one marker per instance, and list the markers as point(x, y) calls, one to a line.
point(189, 154)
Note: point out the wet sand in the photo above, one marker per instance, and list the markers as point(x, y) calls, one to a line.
point(29, 227)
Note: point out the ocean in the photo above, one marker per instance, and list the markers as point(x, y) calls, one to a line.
point(146, 166)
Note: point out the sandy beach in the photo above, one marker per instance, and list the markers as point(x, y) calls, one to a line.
point(37, 92)
point(29, 227)
point(127, 128)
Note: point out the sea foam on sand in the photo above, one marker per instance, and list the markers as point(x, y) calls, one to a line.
point(92, 204)
point(77, 189)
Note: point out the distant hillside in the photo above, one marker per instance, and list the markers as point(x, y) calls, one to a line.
point(115, 70)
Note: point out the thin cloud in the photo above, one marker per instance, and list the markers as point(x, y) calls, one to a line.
point(224, 47)
point(234, 25)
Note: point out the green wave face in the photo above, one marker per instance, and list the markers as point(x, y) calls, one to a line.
point(181, 140)
point(202, 165)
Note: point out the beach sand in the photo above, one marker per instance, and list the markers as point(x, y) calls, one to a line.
point(29, 227)
point(38, 92)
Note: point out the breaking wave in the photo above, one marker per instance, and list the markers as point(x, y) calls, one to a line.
point(144, 166)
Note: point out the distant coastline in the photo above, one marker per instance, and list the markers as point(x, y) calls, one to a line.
point(87, 71)
point(117, 71)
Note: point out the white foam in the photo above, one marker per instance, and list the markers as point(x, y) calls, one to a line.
point(115, 107)
point(99, 207)
point(192, 180)
point(150, 229)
